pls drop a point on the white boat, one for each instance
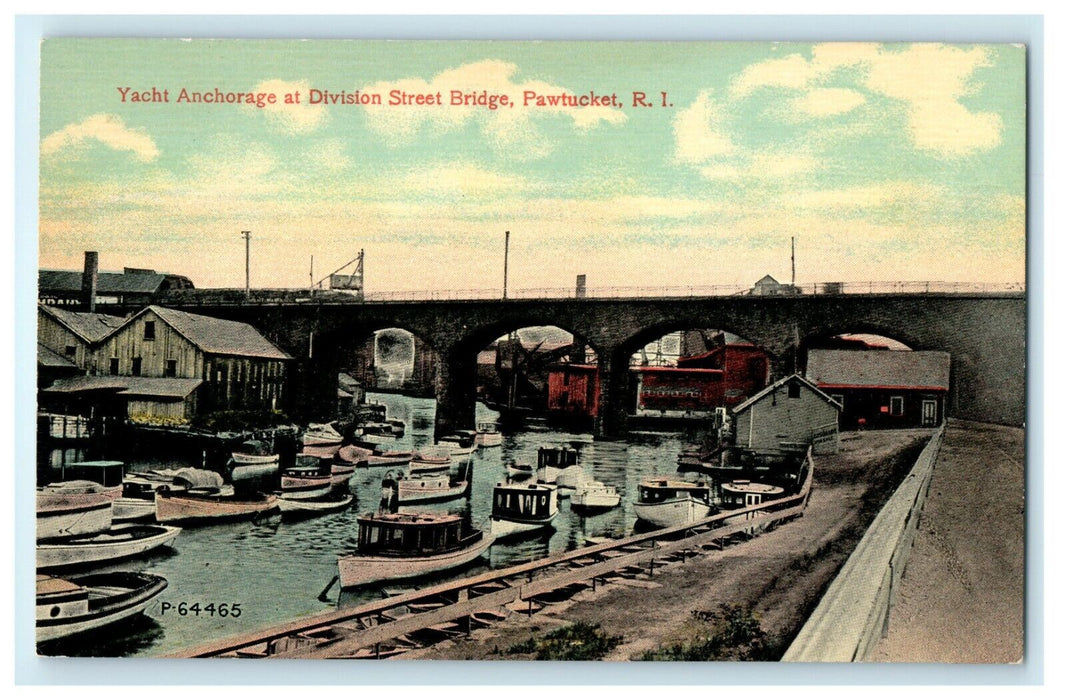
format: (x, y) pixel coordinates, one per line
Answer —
(396, 546)
(308, 478)
(132, 509)
(520, 471)
(340, 476)
(71, 508)
(72, 605)
(520, 508)
(425, 488)
(117, 543)
(430, 459)
(553, 461)
(330, 504)
(488, 435)
(255, 452)
(572, 477)
(460, 443)
(594, 495)
(665, 502)
(321, 435)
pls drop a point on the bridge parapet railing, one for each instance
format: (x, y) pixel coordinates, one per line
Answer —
(237, 297)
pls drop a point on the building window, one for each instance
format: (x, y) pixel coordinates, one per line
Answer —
(113, 367)
(136, 369)
(172, 368)
(70, 350)
(149, 330)
(895, 407)
(794, 390)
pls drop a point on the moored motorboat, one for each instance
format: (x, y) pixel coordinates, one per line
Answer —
(310, 477)
(594, 495)
(552, 461)
(664, 501)
(517, 470)
(340, 476)
(321, 435)
(77, 604)
(431, 460)
(117, 543)
(520, 508)
(407, 545)
(70, 508)
(425, 488)
(255, 452)
(390, 458)
(488, 435)
(351, 455)
(459, 444)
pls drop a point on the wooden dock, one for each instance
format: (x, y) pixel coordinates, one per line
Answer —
(383, 628)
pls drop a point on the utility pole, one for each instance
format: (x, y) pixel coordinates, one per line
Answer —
(793, 263)
(506, 254)
(247, 263)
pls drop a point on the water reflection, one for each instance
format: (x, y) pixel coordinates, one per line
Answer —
(277, 568)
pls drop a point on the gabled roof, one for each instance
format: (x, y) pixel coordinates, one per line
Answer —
(767, 279)
(915, 369)
(90, 327)
(780, 383)
(217, 336)
(49, 358)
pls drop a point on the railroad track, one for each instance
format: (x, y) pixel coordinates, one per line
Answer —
(411, 620)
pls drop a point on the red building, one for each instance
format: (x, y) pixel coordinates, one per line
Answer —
(573, 391)
(674, 392)
(746, 369)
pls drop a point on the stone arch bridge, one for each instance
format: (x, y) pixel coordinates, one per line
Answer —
(984, 332)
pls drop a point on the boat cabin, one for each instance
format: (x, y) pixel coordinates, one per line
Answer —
(742, 493)
(412, 534)
(488, 428)
(661, 490)
(308, 465)
(462, 438)
(524, 502)
(557, 457)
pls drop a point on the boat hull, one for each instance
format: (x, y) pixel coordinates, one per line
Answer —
(416, 494)
(594, 500)
(310, 507)
(128, 510)
(241, 458)
(171, 508)
(679, 511)
(74, 521)
(359, 570)
(119, 543)
(489, 439)
(501, 527)
(140, 590)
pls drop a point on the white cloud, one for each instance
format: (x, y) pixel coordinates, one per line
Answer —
(825, 102)
(507, 128)
(107, 129)
(929, 79)
(698, 131)
(761, 165)
(467, 181)
(292, 118)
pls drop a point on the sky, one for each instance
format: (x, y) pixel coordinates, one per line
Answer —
(884, 161)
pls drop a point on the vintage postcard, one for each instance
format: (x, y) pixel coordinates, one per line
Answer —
(635, 351)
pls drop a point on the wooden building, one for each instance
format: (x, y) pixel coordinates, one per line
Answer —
(73, 334)
(164, 363)
(675, 392)
(132, 286)
(745, 367)
(573, 391)
(883, 388)
(787, 417)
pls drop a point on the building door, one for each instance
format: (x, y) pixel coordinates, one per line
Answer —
(928, 413)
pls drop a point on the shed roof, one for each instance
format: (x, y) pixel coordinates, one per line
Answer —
(161, 387)
(781, 383)
(915, 369)
(130, 282)
(219, 336)
(91, 327)
(49, 358)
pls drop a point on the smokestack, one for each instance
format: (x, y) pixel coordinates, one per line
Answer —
(88, 280)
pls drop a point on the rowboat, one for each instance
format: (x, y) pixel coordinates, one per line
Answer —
(254, 452)
(77, 604)
(205, 506)
(407, 545)
(117, 543)
(320, 506)
(321, 435)
(431, 460)
(518, 508)
(665, 502)
(459, 443)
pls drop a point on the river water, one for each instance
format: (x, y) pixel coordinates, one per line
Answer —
(276, 570)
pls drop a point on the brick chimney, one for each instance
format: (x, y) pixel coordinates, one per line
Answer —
(88, 280)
